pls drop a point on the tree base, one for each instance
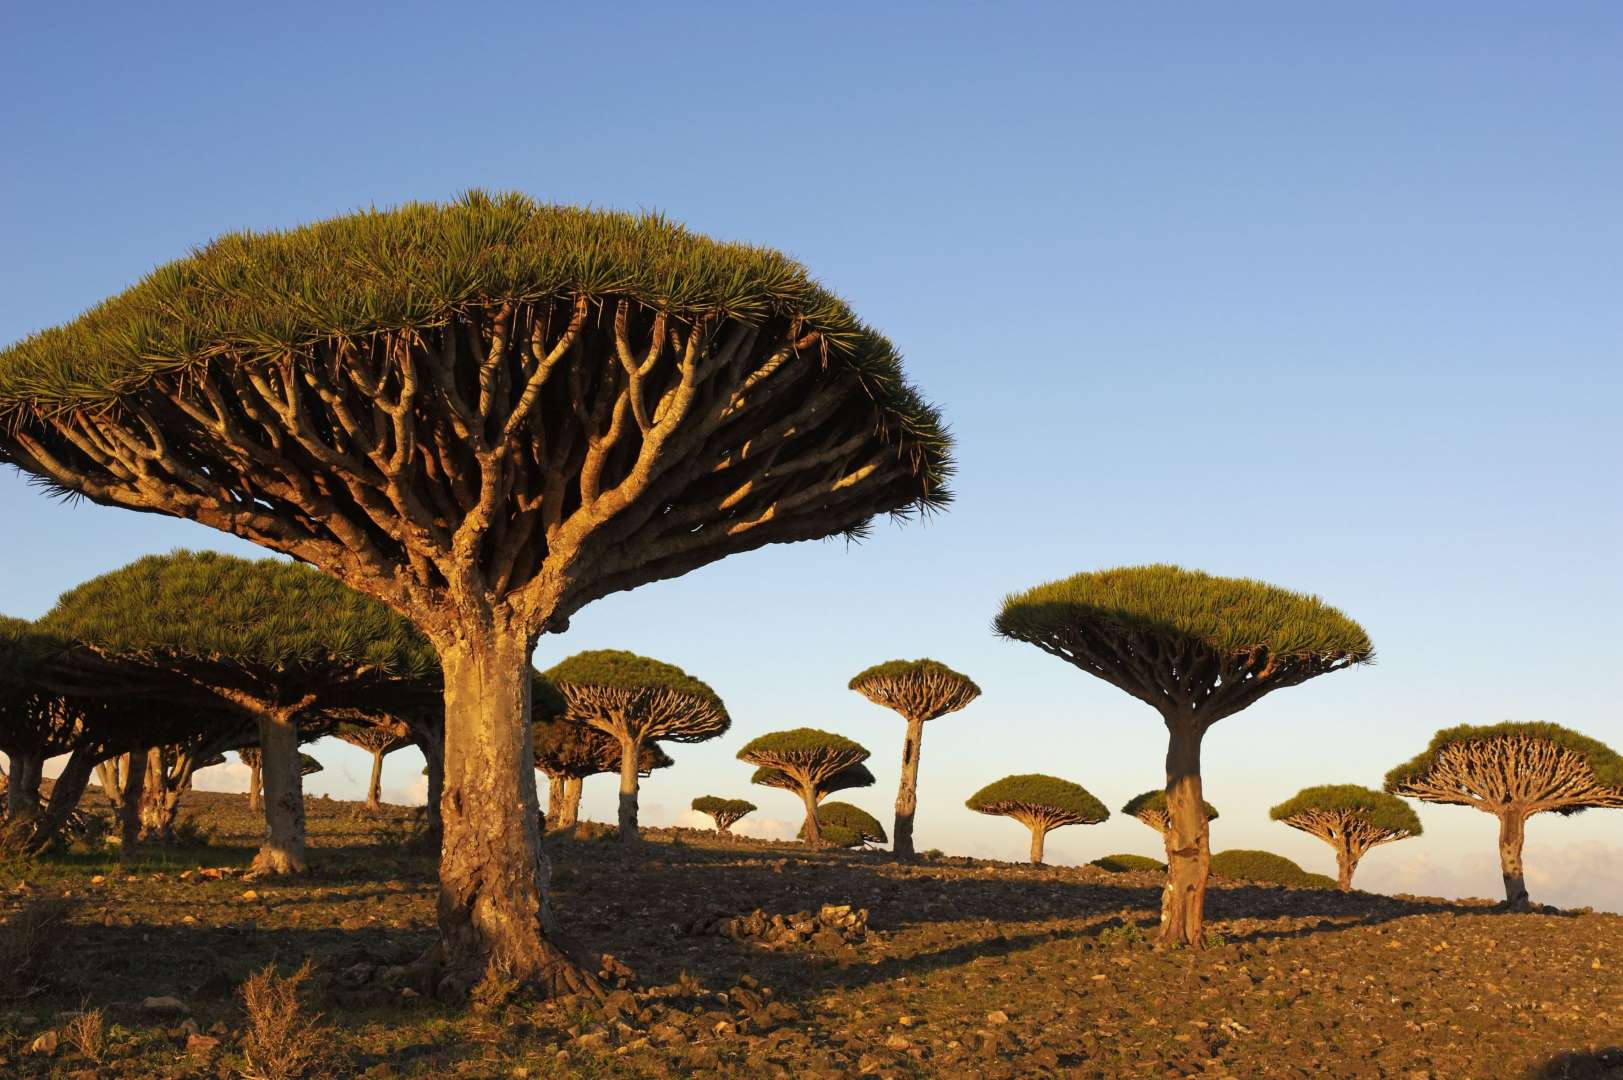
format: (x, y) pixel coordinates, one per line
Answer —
(270, 863)
(554, 973)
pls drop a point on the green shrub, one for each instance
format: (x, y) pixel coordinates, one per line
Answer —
(1264, 867)
(1121, 864)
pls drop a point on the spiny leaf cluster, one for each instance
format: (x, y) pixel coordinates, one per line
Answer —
(263, 612)
(1265, 867)
(1036, 789)
(845, 825)
(1229, 615)
(1121, 864)
(852, 776)
(1157, 801)
(1602, 760)
(715, 804)
(621, 670)
(897, 669)
(248, 296)
(1376, 807)
(797, 741)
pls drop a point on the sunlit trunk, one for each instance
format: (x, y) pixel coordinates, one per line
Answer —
(1512, 832)
(374, 790)
(1038, 835)
(1188, 850)
(283, 849)
(630, 751)
(907, 796)
(814, 829)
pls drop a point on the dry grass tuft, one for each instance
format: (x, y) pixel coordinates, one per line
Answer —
(85, 1033)
(283, 1042)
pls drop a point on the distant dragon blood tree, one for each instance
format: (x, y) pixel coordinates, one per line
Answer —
(567, 753)
(1040, 803)
(379, 736)
(485, 414)
(1513, 771)
(803, 760)
(1196, 648)
(724, 812)
(273, 642)
(847, 826)
(635, 701)
(1351, 819)
(918, 690)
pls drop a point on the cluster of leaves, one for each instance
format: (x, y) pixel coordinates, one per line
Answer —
(797, 741)
(1375, 807)
(1156, 802)
(268, 612)
(617, 669)
(1266, 868)
(255, 296)
(1603, 761)
(1228, 615)
(901, 669)
(847, 826)
(1037, 790)
(1121, 864)
(715, 804)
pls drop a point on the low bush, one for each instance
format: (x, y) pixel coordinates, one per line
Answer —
(1266, 868)
(1121, 864)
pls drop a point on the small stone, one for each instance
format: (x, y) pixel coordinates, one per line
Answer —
(189, 1027)
(408, 994)
(98, 879)
(165, 1004)
(593, 1040)
(44, 1044)
(897, 1042)
(249, 894)
(201, 1044)
(907, 1021)
(723, 1027)
(997, 1016)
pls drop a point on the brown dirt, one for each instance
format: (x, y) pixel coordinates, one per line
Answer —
(965, 968)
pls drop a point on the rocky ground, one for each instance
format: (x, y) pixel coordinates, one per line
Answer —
(747, 959)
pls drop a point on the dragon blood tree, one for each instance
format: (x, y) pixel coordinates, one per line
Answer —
(249, 756)
(1151, 809)
(1513, 771)
(487, 415)
(635, 701)
(1195, 648)
(724, 812)
(918, 690)
(1351, 819)
(852, 776)
(804, 760)
(567, 753)
(1040, 803)
(379, 736)
(271, 641)
(848, 826)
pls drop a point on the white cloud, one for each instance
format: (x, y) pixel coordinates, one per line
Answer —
(1586, 873)
(232, 776)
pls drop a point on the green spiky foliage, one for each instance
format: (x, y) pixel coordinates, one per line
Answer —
(1266, 868)
(1196, 648)
(796, 743)
(1041, 803)
(809, 759)
(1124, 864)
(893, 672)
(852, 776)
(1152, 805)
(308, 765)
(847, 826)
(1380, 810)
(724, 812)
(486, 415)
(617, 669)
(1513, 771)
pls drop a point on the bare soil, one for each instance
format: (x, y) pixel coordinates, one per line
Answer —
(961, 968)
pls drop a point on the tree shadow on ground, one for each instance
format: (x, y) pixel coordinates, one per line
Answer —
(1604, 1064)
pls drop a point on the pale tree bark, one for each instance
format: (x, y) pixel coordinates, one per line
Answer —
(1039, 832)
(158, 801)
(493, 910)
(1512, 832)
(129, 802)
(907, 796)
(555, 801)
(630, 752)
(1346, 864)
(282, 852)
(256, 787)
(571, 814)
(1188, 850)
(374, 789)
(814, 829)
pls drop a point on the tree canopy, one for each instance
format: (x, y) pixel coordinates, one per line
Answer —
(618, 669)
(796, 742)
(1154, 804)
(712, 804)
(1377, 809)
(846, 825)
(1603, 763)
(852, 776)
(1039, 792)
(918, 689)
(1228, 615)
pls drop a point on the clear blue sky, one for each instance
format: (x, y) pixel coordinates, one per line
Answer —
(1330, 299)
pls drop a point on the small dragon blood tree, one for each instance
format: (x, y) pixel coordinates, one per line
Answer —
(724, 812)
(379, 736)
(1040, 803)
(487, 415)
(1195, 648)
(272, 641)
(567, 753)
(1351, 819)
(847, 826)
(635, 700)
(917, 690)
(803, 760)
(1151, 809)
(1513, 771)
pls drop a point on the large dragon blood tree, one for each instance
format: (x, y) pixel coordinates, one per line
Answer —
(274, 642)
(809, 763)
(1513, 771)
(1040, 803)
(486, 414)
(1195, 648)
(1351, 819)
(724, 812)
(635, 701)
(918, 690)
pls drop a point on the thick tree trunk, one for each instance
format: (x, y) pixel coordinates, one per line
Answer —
(907, 795)
(374, 790)
(129, 801)
(1188, 853)
(814, 829)
(493, 913)
(433, 749)
(1512, 831)
(571, 815)
(630, 751)
(22, 786)
(256, 789)
(283, 849)
(555, 801)
(157, 801)
(66, 792)
(1346, 864)
(111, 773)
(1038, 835)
